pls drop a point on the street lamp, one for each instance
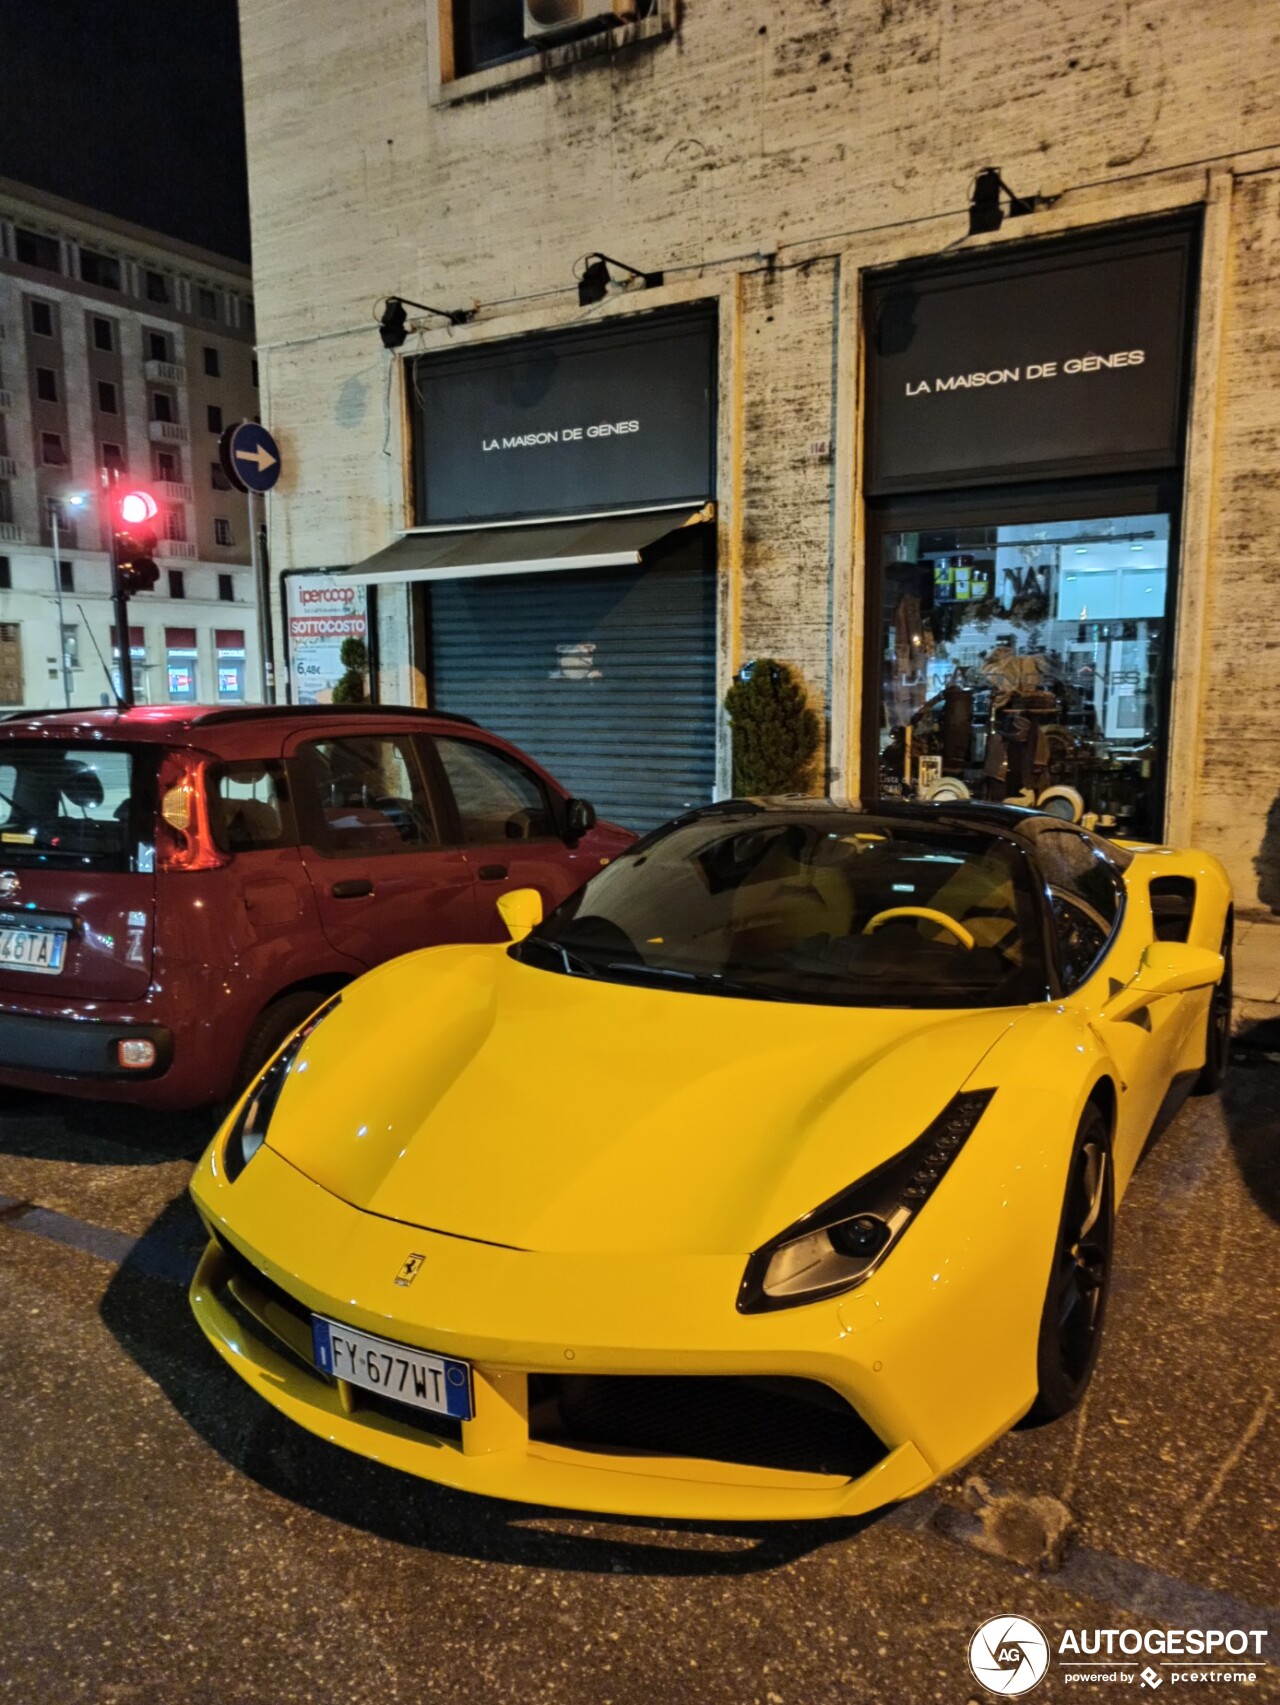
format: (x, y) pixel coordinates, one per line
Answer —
(73, 500)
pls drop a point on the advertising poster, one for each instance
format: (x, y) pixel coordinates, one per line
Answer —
(323, 610)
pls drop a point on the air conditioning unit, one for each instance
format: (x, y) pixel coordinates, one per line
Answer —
(556, 20)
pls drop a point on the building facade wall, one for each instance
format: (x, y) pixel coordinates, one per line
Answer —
(206, 306)
(771, 158)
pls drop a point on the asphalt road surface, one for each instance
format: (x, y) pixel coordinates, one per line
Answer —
(165, 1537)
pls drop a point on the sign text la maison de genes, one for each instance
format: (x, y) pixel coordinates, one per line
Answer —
(562, 435)
(1075, 364)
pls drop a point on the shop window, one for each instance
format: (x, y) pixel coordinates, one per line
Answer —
(214, 416)
(222, 531)
(157, 346)
(212, 367)
(229, 650)
(177, 583)
(107, 402)
(1026, 662)
(180, 660)
(42, 319)
(99, 269)
(46, 384)
(52, 452)
(365, 795)
(103, 333)
(32, 248)
(497, 798)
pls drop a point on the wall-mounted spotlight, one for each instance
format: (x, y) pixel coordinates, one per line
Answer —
(392, 327)
(985, 211)
(594, 279)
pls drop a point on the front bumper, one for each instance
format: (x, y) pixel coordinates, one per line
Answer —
(912, 1363)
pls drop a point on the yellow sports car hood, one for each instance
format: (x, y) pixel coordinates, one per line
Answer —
(460, 1090)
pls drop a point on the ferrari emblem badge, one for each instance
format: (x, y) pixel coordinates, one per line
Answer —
(409, 1271)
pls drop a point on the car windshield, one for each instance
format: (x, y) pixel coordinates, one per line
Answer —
(819, 906)
(64, 806)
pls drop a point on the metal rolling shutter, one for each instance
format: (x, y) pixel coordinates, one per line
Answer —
(636, 736)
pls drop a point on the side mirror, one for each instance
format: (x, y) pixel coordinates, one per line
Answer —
(521, 911)
(1168, 968)
(580, 819)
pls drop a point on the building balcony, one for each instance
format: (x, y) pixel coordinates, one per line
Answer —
(8, 468)
(11, 533)
(179, 548)
(6, 400)
(172, 491)
(165, 372)
(166, 432)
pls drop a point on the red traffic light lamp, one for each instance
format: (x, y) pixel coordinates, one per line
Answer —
(134, 568)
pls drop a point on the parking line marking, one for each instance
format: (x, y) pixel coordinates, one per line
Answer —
(155, 1256)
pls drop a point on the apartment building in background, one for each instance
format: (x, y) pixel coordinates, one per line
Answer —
(123, 353)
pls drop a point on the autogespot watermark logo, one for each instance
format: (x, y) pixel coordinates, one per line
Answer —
(1008, 1655)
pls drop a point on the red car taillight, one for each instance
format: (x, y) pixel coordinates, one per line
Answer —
(184, 838)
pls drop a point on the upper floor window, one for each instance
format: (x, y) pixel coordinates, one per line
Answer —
(103, 333)
(222, 531)
(67, 576)
(34, 249)
(487, 32)
(52, 452)
(46, 384)
(42, 318)
(214, 414)
(161, 406)
(102, 270)
(112, 456)
(166, 465)
(177, 583)
(217, 478)
(227, 588)
(253, 371)
(157, 286)
(107, 397)
(158, 346)
(206, 303)
(211, 364)
(6, 574)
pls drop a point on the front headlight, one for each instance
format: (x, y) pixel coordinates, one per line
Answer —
(249, 1131)
(842, 1242)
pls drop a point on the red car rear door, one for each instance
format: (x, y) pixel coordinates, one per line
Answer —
(368, 824)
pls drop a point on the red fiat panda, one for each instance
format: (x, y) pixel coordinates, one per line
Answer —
(180, 887)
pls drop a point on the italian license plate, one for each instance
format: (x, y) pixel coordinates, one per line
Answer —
(33, 950)
(430, 1382)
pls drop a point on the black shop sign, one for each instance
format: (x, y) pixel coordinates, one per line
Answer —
(618, 415)
(1068, 358)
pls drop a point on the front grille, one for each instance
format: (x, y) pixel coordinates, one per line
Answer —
(408, 1415)
(243, 1268)
(787, 1424)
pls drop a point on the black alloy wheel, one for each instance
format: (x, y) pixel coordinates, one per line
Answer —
(1075, 1303)
(1217, 1040)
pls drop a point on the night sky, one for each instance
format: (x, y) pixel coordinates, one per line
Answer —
(132, 107)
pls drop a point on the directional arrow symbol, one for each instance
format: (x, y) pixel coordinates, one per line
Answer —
(261, 455)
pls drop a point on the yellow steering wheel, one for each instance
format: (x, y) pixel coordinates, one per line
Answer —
(927, 912)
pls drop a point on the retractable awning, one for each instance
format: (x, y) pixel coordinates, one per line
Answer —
(567, 542)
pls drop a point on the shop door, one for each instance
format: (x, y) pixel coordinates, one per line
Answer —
(606, 678)
(372, 846)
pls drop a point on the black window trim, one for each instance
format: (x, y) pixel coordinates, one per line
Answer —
(1046, 888)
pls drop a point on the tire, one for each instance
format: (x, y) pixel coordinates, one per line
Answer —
(1217, 1024)
(1075, 1303)
(270, 1028)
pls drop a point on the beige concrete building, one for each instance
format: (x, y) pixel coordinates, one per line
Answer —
(128, 351)
(1004, 491)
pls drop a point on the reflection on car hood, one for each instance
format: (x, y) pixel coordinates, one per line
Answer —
(460, 1090)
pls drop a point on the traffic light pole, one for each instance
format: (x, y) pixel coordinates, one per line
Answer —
(120, 600)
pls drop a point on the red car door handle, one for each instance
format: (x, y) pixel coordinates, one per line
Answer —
(492, 872)
(355, 889)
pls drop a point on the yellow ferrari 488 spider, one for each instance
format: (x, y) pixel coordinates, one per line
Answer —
(772, 1175)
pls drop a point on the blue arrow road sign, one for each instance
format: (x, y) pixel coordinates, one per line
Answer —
(252, 457)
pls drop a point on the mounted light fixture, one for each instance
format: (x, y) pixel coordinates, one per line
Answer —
(985, 211)
(392, 327)
(594, 280)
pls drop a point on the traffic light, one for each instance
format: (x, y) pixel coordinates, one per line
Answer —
(135, 539)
